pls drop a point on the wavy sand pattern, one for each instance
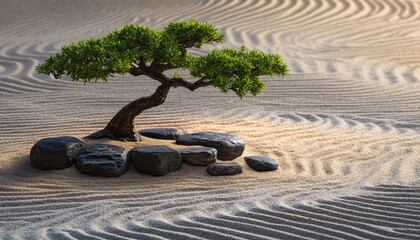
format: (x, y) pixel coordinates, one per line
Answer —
(345, 126)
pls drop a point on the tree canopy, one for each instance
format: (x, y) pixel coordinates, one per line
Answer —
(140, 50)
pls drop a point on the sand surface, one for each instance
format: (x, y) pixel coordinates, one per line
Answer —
(345, 125)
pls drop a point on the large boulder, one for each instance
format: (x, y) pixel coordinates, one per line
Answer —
(260, 163)
(56, 153)
(161, 133)
(103, 160)
(228, 146)
(227, 168)
(157, 160)
(203, 156)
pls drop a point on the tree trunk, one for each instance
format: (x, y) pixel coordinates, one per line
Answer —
(121, 126)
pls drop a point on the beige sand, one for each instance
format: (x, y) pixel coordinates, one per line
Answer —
(344, 126)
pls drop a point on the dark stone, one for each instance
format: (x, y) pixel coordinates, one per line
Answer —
(228, 146)
(229, 168)
(161, 133)
(203, 156)
(260, 163)
(56, 153)
(132, 136)
(157, 160)
(103, 160)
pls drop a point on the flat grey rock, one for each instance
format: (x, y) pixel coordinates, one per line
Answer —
(228, 146)
(103, 160)
(260, 163)
(157, 160)
(220, 169)
(203, 156)
(161, 133)
(56, 153)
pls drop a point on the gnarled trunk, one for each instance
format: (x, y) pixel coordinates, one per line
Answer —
(121, 126)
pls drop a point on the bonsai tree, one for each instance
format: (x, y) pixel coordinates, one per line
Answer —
(139, 50)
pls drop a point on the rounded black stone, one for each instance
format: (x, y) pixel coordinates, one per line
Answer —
(228, 146)
(161, 133)
(228, 168)
(157, 160)
(260, 163)
(203, 156)
(56, 153)
(103, 160)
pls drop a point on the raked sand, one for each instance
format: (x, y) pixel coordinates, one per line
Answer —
(345, 125)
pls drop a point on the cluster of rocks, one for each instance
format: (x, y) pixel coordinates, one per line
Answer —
(157, 160)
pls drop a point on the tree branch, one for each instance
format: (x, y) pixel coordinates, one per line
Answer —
(202, 82)
(143, 70)
(159, 67)
(135, 71)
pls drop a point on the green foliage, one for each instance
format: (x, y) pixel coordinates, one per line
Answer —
(194, 33)
(237, 70)
(133, 45)
(176, 75)
(99, 58)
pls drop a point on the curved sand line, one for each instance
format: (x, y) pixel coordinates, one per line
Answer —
(318, 164)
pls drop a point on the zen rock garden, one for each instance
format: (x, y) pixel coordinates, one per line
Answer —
(130, 47)
(156, 160)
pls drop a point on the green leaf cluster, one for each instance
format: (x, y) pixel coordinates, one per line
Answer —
(140, 46)
(237, 70)
(194, 33)
(99, 58)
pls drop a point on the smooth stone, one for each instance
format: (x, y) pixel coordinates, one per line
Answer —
(260, 163)
(56, 153)
(105, 133)
(228, 146)
(161, 133)
(157, 160)
(103, 160)
(203, 156)
(229, 168)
